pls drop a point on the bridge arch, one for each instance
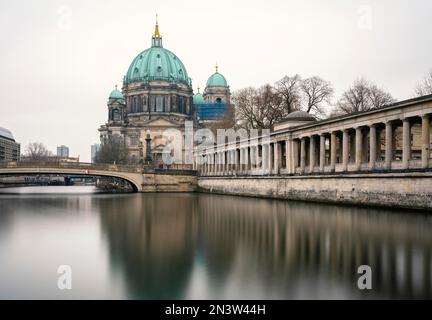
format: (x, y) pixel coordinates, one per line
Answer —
(132, 176)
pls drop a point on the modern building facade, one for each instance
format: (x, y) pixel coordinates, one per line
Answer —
(156, 96)
(63, 152)
(9, 148)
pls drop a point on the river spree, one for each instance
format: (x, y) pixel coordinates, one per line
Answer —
(199, 246)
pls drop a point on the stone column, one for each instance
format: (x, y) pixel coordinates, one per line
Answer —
(215, 163)
(425, 141)
(322, 152)
(251, 158)
(406, 143)
(258, 165)
(237, 161)
(230, 162)
(266, 159)
(312, 156)
(210, 164)
(388, 145)
(276, 158)
(270, 159)
(295, 155)
(345, 150)
(303, 155)
(359, 148)
(288, 156)
(240, 168)
(220, 163)
(333, 151)
(372, 146)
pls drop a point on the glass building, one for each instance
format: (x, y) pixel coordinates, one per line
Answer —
(9, 148)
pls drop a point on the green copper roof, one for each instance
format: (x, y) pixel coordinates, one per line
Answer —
(115, 94)
(198, 99)
(217, 80)
(157, 63)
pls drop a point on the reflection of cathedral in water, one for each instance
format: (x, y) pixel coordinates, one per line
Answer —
(157, 242)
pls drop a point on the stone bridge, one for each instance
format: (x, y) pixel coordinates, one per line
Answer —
(142, 179)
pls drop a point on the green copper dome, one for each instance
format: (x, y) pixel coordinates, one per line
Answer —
(115, 94)
(198, 99)
(217, 80)
(157, 64)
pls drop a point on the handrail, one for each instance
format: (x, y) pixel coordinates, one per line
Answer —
(92, 166)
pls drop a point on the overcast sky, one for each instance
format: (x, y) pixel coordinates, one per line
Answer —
(60, 59)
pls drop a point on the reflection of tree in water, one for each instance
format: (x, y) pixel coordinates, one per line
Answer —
(151, 240)
(156, 238)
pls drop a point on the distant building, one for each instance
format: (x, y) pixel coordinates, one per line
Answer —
(9, 148)
(94, 150)
(212, 106)
(63, 152)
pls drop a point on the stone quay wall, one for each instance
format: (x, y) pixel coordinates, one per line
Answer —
(395, 190)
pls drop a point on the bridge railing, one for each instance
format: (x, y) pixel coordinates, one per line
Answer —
(71, 165)
(94, 166)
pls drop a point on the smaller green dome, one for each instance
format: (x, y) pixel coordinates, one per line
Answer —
(198, 99)
(217, 80)
(115, 94)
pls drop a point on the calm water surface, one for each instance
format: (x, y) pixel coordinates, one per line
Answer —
(198, 246)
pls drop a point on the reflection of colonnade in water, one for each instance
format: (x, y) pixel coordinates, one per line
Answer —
(156, 241)
(295, 238)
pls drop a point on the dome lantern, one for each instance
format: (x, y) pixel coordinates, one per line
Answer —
(157, 38)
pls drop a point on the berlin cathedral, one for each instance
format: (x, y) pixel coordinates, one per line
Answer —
(157, 95)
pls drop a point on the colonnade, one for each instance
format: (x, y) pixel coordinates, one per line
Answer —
(394, 144)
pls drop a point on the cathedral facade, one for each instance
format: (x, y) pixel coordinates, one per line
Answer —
(157, 95)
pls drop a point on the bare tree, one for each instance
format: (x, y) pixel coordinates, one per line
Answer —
(227, 121)
(425, 86)
(362, 96)
(378, 97)
(316, 91)
(37, 151)
(113, 150)
(289, 89)
(258, 108)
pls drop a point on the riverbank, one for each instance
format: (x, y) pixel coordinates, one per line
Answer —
(397, 190)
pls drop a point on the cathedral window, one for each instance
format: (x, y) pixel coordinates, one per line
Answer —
(152, 103)
(181, 105)
(115, 115)
(139, 104)
(145, 107)
(159, 103)
(134, 105)
(133, 140)
(167, 104)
